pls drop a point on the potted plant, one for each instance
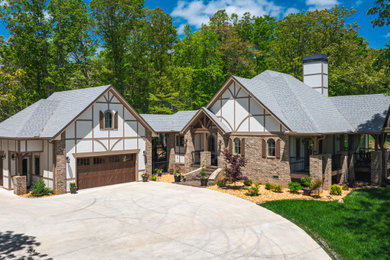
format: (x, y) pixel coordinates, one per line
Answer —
(177, 175)
(73, 188)
(153, 177)
(159, 172)
(203, 177)
(171, 171)
(145, 177)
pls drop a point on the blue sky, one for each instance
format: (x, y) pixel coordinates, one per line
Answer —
(196, 12)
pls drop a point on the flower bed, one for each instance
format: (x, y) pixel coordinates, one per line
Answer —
(267, 195)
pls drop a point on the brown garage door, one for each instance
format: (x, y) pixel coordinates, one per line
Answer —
(105, 170)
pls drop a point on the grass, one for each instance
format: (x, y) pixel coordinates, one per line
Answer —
(359, 228)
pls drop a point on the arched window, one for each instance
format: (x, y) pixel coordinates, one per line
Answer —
(237, 146)
(108, 120)
(271, 147)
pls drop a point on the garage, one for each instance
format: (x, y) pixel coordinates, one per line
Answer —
(105, 170)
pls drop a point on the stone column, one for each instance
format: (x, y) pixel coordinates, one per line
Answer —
(148, 152)
(221, 145)
(353, 147)
(171, 150)
(189, 148)
(20, 185)
(376, 167)
(344, 167)
(316, 166)
(327, 166)
(205, 158)
(60, 163)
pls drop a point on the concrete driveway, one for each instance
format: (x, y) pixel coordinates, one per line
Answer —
(148, 221)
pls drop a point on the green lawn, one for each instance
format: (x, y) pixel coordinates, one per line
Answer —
(359, 228)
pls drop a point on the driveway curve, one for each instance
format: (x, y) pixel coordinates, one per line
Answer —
(148, 221)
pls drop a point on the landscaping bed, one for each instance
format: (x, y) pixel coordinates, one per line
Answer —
(268, 195)
(359, 228)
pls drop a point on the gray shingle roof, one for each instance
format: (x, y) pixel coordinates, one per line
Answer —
(169, 123)
(366, 113)
(299, 107)
(47, 117)
(222, 125)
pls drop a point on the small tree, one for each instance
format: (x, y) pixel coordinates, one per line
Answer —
(233, 166)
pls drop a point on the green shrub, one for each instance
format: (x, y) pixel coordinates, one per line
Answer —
(306, 181)
(269, 186)
(247, 182)
(294, 187)
(39, 189)
(220, 183)
(277, 188)
(335, 189)
(153, 177)
(253, 190)
(345, 187)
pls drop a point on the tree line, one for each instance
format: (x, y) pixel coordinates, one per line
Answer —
(65, 44)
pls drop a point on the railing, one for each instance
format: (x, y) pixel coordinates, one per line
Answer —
(336, 162)
(363, 158)
(196, 157)
(297, 164)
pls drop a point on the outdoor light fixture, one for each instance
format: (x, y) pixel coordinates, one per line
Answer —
(67, 159)
(4, 156)
(13, 156)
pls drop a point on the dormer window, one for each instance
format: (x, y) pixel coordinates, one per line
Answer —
(108, 120)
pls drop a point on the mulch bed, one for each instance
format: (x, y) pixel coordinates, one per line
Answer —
(29, 196)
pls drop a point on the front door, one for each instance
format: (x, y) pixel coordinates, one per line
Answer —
(212, 147)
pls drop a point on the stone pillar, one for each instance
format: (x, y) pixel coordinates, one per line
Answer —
(60, 163)
(327, 166)
(148, 153)
(376, 167)
(316, 167)
(344, 167)
(171, 150)
(353, 147)
(205, 158)
(189, 148)
(221, 145)
(20, 185)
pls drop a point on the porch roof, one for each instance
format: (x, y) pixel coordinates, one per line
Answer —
(224, 128)
(169, 123)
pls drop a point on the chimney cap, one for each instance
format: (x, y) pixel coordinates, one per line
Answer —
(315, 57)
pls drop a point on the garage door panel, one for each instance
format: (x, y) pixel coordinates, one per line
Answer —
(107, 170)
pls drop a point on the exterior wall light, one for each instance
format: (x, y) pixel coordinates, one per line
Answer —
(67, 159)
(4, 156)
(13, 156)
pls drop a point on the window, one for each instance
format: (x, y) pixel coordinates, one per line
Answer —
(180, 140)
(271, 147)
(98, 160)
(82, 161)
(237, 146)
(108, 120)
(114, 159)
(129, 157)
(37, 170)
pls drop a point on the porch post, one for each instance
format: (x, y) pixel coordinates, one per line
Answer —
(327, 161)
(316, 166)
(344, 167)
(376, 167)
(171, 150)
(189, 148)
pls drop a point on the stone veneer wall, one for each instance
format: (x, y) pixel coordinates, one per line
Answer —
(189, 148)
(171, 150)
(60, 166)
(264, 169)
(222, 143)
(148, 151)
(20, 185)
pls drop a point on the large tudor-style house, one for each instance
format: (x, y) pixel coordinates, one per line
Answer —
(285, 128)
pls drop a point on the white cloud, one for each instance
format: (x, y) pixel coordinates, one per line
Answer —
(358, 2)
(291, 10)
(321, 4)
(387, 35)
(197, 12)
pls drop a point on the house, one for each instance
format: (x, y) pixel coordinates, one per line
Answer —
(286, 129)
(90, 136)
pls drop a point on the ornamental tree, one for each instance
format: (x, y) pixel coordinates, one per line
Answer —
(233, 167)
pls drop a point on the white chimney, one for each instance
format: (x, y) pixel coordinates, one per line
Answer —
(315, 72)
